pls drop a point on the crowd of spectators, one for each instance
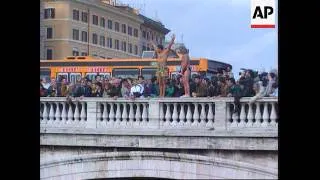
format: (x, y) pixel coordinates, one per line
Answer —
(223, 84)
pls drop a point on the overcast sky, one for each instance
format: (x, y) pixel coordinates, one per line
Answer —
(216, 29)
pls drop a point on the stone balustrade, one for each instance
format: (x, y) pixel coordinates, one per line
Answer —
(156, 113)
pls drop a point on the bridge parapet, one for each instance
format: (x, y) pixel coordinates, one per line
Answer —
(196, 115)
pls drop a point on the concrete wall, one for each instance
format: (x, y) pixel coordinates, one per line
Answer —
(90, 164)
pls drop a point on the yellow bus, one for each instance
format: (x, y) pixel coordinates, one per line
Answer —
(75, 67)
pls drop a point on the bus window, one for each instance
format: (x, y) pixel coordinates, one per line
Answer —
(62, 75)
(148, 73)
(105, 75)
(91, 76)
(74, 77)
(125, 73)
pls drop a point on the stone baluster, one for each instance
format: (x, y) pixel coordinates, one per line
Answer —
(64, 113)
(70, 115)
(265, 115)
(83, 114)
(182, 116)
(131, 116)
(257, 116)
(174, 116)
(161, 115)
(118, 115)
(137, 116)
(45, 113)
(124, 116)
(250, 116)
(102, 122)
(210, 116)
(167, 116)
(111, 115)
(51, 113)
(235, 118)
(242, 116)
(76, 114)
(144, 115)
(196, 116)
(58, 114)
(203, 116)
(273, 115)
(98, 113)
(188, 117)
(228, 116)
(41, 115)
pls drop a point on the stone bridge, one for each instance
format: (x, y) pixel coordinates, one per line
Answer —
(171, 138)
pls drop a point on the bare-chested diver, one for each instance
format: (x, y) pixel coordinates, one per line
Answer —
(162, 69)
(183, 54)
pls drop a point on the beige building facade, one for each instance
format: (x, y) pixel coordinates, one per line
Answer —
(91, 27)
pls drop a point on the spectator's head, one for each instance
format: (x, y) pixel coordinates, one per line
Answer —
(98, 78)
(83, 82)
(154, 79)
(205, 81)
(149, 82)
(256, 86)
(271, 76)
(44, 80)
(229, 69)
(64, 81)
(98, 86)
(115, 82)
(94, 86)
(197, 79)
(159, 48)
(89, 83)
(53, 80)
(231, 81)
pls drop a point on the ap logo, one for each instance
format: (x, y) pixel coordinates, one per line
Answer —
(262, 13)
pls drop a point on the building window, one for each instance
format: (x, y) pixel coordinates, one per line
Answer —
(157, 39)
(94, 38)
(144, 48)
(75, 52)
(124, 28)
(116, 26)
(76, 15)
(102, 22)
(148, 49)
(130, 30)
(130, 47)
(49, 33)
(84, 36)
(75, 34)
(49, 54)
(49, 13)
(135, 49)
(109, 42)
(144, 34)
(135, 32)
(109, 24)
(84, 54)
(124, 46)
(152, 36)
(95, 20)
(116, 44)
(102, 41)
(147, 35)
(84, 17)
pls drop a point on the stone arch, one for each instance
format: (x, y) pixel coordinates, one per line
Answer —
(151, 164)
